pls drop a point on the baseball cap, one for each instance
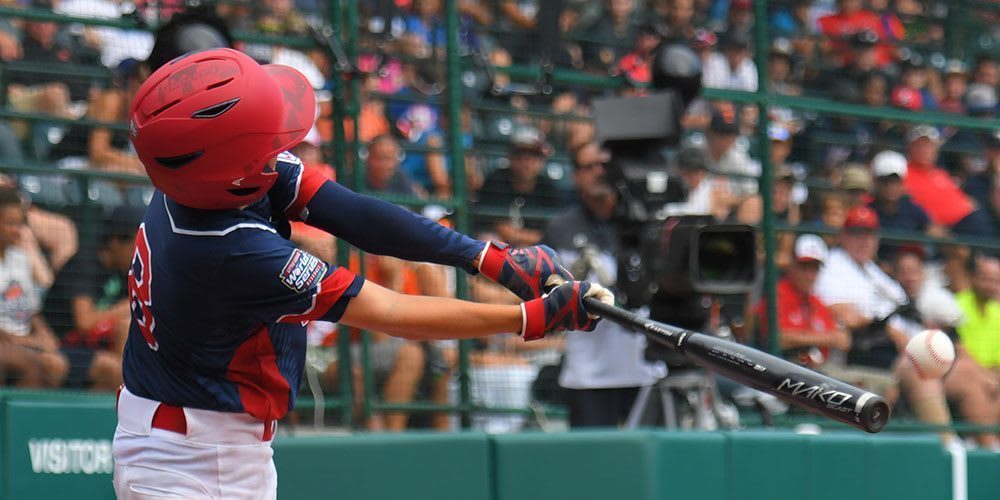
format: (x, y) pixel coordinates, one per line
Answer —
(980, 98)
(861, 217)
(692, 158)
(123, 222)
(778, 132)
(740, 4)
(955, 67)
(528, 139)
(921, 131)
(810, 248)
(907, 98)
(781, 47)
(889, 163)
(704, 39)
(855, 176)
(724, 123)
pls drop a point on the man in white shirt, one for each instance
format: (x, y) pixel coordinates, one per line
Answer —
(732, 68)
(604, 369)
(865, 300)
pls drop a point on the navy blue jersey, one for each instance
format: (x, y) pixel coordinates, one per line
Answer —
(220, 300)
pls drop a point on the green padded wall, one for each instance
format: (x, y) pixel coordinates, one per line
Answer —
(690, 465)
(57, 450)
(575, 466)
(374, 466)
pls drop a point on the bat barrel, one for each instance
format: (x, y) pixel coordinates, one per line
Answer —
(793, 383)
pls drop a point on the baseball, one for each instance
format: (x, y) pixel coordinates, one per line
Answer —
(931, 353)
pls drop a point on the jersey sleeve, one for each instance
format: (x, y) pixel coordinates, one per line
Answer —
(269, 279)
(383, 228)
(295, 187)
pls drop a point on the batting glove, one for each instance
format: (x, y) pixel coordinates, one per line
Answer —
(562, 309)
(528, 272)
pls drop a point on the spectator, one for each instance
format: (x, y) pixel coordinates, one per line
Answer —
(88, 305)
(862, 298)
(115, 45)
(28, 349)
(731, 67)
(636, 64)
(102, 148)
(382, 172)
(426, 35)
(986, 71)
(678, 24)
(781, 68)
(914, 85)
(279, 17)
(419, 125)
(42, 93)
(868, 302)
(519, 21)
(706, 193)
(372, 120)
(895, 210)
(728, 156)
(833, 212)
(956, 81)
(978, 364)
(856, 184)
(806, 329)
(51, 233)
(936, 307)
(739, 18)
(934, 190)
(602, 371)
(611, 36)
(980, 186)
(522, 187)
(981, 100)
(851, 18)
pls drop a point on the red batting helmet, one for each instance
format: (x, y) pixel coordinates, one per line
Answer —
(206, 124)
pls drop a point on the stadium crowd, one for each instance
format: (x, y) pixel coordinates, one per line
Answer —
(849, 297)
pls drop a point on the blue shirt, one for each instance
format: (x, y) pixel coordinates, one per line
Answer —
(220, 300)
(907, 217)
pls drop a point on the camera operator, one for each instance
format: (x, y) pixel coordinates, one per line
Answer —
(603, 370)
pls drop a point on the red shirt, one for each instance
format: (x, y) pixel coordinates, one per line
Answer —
(637, 68)
(798, 311)
(935, 191)
(840, 27)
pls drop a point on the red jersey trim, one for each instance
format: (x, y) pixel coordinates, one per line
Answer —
(328, 292)
(263, 391)
(306, 186)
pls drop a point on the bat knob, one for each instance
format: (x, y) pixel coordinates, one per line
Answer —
(875, 414)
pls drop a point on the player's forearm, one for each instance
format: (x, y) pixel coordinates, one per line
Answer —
(382, 228)
(428, 318)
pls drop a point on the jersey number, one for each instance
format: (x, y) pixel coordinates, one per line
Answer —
(140, 278)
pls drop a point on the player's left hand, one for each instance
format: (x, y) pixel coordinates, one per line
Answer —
(528, 272)
(562, 309)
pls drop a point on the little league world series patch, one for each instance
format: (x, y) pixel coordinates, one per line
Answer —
(302, 271)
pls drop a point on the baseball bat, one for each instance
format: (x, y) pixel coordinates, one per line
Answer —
(795, 384)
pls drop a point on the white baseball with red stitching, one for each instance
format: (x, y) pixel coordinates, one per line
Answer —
(931, 353)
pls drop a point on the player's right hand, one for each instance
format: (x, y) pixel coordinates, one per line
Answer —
(562, 309)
